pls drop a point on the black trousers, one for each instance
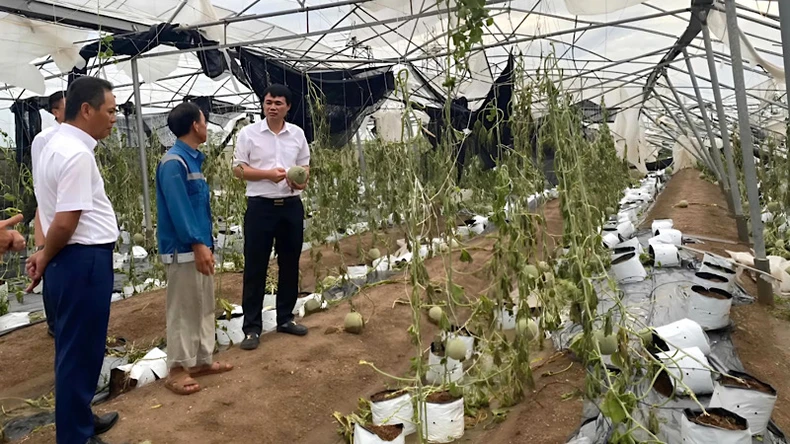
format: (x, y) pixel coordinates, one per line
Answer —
(278, 223)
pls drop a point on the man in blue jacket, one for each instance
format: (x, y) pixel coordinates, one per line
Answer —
(186, 244)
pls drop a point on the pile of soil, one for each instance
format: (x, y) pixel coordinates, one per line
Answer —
(386, 395)
(385, 432)
(441, 398)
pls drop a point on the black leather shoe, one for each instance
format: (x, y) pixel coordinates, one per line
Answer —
(103, 423)
(250, 342)
(292, 328)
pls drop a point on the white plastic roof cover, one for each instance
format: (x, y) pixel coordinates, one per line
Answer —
(597, 61)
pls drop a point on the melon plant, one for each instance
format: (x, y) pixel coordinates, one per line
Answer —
(353, 323)
(607, 344)
(297, 175)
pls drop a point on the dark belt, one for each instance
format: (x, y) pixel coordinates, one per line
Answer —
(278, 201)
(109, 246)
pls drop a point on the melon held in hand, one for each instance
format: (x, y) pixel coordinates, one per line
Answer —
(297, 175)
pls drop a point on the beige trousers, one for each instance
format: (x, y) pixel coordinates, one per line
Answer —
(190, 316)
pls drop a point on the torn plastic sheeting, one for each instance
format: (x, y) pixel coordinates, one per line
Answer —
(11, 321)
(151, 367)
(655, 302)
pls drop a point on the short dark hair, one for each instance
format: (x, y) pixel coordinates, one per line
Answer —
(277, 90)
(54, 99)
(88, 90)
(182, 117)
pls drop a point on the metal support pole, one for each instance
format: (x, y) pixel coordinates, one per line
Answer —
(361, 153)
(694, 130)
(764, 291)
(671, 136)
(714, 150)
(141, 140)
(735, 189)
(784, 25)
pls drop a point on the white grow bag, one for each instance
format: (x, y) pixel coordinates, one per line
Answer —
(443, 422)
(715, 268)
(363, 436)
(441, 373)
(689, 369)
(684, 333)
(633, 242)
(713, 280)
(611, 239)
(667, 236)
(718, 261)
(754, 405)
(398, 410)
(626, 229)
(506, 317)
(628, 269)
(269, 319)
(229, 331)
(628, 214)
(661, 224)
(693, 433)
(709, 312)
(664, 255)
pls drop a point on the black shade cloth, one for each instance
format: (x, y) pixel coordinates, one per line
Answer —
(348, 95)
(211, 61)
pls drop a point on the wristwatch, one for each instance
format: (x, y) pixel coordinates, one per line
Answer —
(40, 248)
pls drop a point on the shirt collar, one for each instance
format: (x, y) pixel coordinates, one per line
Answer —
(265, 126)
(79, 134)
(181, 145)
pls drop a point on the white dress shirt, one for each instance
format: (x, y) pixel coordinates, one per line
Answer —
(39, 142)
(69, 180)
(258, 147)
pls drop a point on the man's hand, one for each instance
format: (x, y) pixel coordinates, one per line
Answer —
(35, 266)
(276, 175)
(295, 186)
(11, 239)
(204, 259)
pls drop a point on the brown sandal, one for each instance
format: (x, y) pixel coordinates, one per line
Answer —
(185, 385)
(213, 369)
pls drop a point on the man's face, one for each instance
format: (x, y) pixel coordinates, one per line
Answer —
(101, 120)
(275, 108)
(201, 128)
(59, 110)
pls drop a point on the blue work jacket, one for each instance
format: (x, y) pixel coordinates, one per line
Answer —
(183, 203)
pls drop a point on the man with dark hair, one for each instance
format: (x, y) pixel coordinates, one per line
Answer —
(186, 242)
(275, 215)
(57, 107)
(80, 234)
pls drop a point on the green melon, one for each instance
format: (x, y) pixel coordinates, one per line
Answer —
(527, 327)
(312, 305)
(646, 335)
(531, 270)
(682, 204)
(773, 207)
(435, 314)
(544, 266)
(297, 175)
(138, 238)
(456, 349)
(353, 323)
(374, 254)
(607, 344)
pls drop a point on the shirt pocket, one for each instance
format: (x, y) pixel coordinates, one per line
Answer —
(290, 152)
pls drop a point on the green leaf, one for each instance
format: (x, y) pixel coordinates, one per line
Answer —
(612, 409)
(490, 21)
(465, 256)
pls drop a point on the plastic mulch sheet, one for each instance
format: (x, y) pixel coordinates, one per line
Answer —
(655, 302)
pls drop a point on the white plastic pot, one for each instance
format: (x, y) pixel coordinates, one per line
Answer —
(667, 236)
(269, 319)
(626, 229)
(755, 405)
(506, 317)
(633, 242)
(720, 261)
(629, 213)
(357, 271)
(398, 410)
(3, 293)
(628, 269)
(684, 333)
(689, 369)
(664, 255)
(622, 251)
(713, 280)
(363, 436)
(693, 433)
(611, 239)
(269, 301)
(659, 224)
(441, 373)
(151, 367)
(229, 331)
(710, 312)
(443, 422)
(711, 267)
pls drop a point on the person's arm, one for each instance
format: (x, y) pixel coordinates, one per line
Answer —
(242, 168)
(303, 160)
(11, 240)
(173, 183)
(39, 232)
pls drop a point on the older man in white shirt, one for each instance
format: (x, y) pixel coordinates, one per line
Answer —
(275, 214)
(57, 107)
(80, 233)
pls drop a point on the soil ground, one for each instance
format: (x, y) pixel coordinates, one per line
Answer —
(287, 390)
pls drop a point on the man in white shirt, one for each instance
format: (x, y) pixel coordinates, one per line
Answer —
(57, 107)
(275, 215)
(80, 233)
